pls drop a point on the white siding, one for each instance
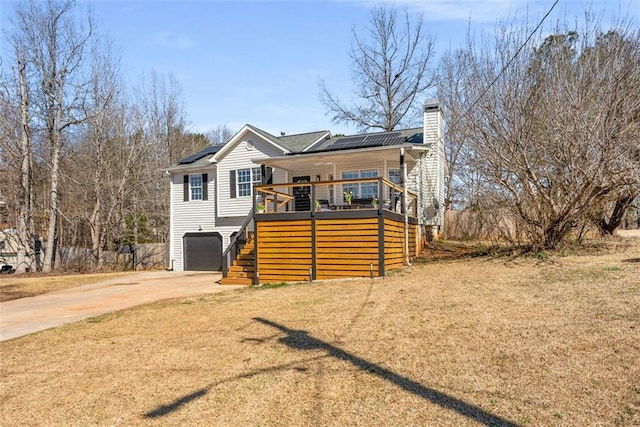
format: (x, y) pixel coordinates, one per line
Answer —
(226, 227)
(434, 164)
(219, 213)
(239, 157)
(189, 217)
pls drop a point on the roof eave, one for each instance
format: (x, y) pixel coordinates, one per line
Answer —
(417, 149)
(189, 167)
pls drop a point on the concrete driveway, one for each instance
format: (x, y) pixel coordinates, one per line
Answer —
(28, 315)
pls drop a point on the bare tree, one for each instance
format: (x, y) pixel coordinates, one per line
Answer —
(16, 154)
(105, 112)
(163, 106)
(219, 135)
(621, 54)
(390, 72)
(25, 217)
(453, 82)
(56, 45)
(551, 131)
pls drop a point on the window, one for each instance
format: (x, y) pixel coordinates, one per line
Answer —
(351, 187)
(331, 191)
(395, 177)
(195, 187)
(364, 190)
(369, 189)
(246, 179)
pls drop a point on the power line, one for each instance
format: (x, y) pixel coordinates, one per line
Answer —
(515, 55)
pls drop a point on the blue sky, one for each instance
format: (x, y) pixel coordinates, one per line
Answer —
(259, 62)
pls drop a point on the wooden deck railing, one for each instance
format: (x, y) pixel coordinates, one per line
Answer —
(330, 195)
(238, 241)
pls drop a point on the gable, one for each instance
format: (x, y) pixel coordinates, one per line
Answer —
(241, 155)
(246, 136)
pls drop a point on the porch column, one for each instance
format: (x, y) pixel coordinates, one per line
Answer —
(405, 213)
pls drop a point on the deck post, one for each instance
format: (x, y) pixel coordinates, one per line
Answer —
(405, 213)
(256, 273)
(313, 272)
(380, 243)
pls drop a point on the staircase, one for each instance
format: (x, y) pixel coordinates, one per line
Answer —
(241, 271)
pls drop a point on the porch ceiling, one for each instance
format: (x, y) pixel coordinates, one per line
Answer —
(329, 158)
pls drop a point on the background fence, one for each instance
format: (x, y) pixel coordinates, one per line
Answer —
(147, 256)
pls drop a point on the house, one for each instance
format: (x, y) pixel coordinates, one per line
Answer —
(222, 195)
(8, 251)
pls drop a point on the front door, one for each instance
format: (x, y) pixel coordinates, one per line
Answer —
(302, 200)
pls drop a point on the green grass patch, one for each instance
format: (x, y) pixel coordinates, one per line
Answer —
(274, 285)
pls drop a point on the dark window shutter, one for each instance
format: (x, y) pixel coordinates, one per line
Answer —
(232, 184)
(268, 179)
(205, 186)
(185, 187)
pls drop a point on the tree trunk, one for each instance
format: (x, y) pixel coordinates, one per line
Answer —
(25, 230)
(55, 139)
(617, 216)
(53, 209)
(96, 231)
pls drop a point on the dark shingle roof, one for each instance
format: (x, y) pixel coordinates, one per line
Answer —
(297, 143)
(262, 133)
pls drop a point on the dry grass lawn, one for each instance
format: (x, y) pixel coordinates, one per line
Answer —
(552, 342)
(20, 286)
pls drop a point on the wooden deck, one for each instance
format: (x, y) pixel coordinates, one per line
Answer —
(318, 244)
(304, 246)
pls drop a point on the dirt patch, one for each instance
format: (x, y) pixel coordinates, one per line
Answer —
(501, 341)
(630, 234)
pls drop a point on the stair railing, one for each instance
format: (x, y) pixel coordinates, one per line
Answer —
(238, 241)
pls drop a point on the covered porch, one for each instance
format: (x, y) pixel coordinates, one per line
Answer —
(341, 213)
(345, 172)
(286, 240)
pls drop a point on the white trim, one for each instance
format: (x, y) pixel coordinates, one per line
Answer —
(171, 223)
(191, 187)
(412, 149)
(186, 169)
(359, 171)
(251, 182)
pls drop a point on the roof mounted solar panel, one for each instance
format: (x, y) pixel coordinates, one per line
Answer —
(372, 140)
(384, 139)
(212, 149)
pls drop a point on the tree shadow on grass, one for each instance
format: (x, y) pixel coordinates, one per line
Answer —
(301, 340)
(178, 403)
(631, 260)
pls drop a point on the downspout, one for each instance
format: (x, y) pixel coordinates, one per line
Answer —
(405, 205)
